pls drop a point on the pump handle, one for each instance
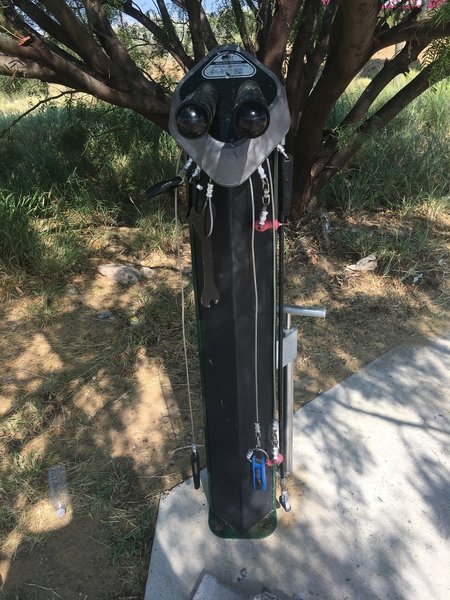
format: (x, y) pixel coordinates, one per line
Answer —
(300, 311)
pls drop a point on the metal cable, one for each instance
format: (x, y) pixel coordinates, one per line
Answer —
(178, 233)
(273, 192)
(255, 287)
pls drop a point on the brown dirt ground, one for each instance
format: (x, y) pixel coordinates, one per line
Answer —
(106, 397)
(109, 399)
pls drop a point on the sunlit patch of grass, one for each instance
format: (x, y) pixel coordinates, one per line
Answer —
(157, 327)
(157, 231)
(64, 252)
(405, 249)
(88, 155)
(401, 166)
(27, 419)
(23, 485)
(43, 312)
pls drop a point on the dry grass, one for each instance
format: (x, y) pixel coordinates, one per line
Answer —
(108, 399)
(73, 382)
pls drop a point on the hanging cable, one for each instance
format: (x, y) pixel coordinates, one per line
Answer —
(255, 287)
(274, 282)
(277, 457)
(209, 195)
(195, 460)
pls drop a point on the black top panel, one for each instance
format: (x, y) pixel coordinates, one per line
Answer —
(227, 83)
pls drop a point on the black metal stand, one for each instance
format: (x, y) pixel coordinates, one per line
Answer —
(226, 343)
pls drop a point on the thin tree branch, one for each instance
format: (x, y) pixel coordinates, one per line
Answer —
(263, 22)
(177, 52)
(81, 40)
(111, 43)
(33, 108)
(252, 6)
(393, 15)
(327, 20)
(150, 101)
(195, 27)
(280, 28)
(397, 103)
(44, 22)
(208, 35)
(169, 27)
(397, 65)
(378, 120)
(30, 35)
(295, 88)
(349, 48)
(242, 26)
(423, 31)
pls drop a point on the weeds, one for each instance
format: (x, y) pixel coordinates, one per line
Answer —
(19, 243)
(43, 313)
(401, 166)
(71, 168)
(403, 249)
(36, 250)
(87, 156)
(130, 532)
(157, 230)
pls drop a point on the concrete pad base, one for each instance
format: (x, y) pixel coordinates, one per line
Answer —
(370, 489)
(210, 587)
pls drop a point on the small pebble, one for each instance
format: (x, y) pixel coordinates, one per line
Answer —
(146, 272)
(105, 315)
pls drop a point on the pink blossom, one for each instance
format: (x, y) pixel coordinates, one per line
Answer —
(409, 5)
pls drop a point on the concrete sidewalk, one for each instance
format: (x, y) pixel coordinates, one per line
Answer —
(370, 496)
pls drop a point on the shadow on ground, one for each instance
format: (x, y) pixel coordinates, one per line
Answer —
(370, 491)
(107, 398)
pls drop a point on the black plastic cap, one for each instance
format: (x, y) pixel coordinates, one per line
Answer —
(252, 119)
(192, 120)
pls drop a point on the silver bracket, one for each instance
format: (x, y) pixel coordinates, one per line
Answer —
(289, 356)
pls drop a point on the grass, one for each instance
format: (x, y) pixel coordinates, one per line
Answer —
(393, 199)
(29, 246)
(402, 251)
(156, 229)
(69, 174)
(402, 166)
(91, 156)
(19, 245)
(131, 532)
(43, 312)
(76, 165)
(30, 435)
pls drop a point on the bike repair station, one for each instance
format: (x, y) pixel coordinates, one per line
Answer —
(230, 115)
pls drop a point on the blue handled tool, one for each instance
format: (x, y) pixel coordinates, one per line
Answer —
(259, 481)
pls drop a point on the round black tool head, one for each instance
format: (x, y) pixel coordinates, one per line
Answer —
(192, 120)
